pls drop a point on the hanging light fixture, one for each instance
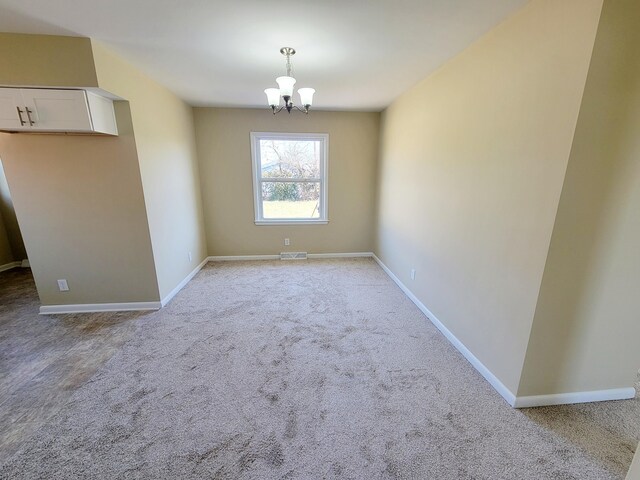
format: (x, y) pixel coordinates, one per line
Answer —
(285, 91)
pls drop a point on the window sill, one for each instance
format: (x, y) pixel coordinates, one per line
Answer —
(291, 222)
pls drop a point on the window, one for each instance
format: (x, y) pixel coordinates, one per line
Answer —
(289, 177)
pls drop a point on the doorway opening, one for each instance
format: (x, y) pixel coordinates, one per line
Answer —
(13, 253)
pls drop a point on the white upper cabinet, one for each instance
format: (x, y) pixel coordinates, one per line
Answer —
(49, 110)
(57, 110)
(12, 113)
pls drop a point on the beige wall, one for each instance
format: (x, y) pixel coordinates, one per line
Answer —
(10, 220)
(224, 152)
(164, 136)
(471, 169)
(586, 328)
(46, 60)
(156, 164)
(81, 209)
(6, 254)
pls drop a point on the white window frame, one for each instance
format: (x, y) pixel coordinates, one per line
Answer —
(257, 177)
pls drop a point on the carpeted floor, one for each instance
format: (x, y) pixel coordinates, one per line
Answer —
(44, 359)
(309, 370)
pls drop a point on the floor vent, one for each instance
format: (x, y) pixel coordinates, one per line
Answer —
(293, 255)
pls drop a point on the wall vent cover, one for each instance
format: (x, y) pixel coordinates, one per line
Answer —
(293, 255)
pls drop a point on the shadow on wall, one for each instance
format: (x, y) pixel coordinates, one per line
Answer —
(10, 221)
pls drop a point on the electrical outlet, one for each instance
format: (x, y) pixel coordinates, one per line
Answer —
(189, 256)
(286, 242)
(62, 285)
(413, 274)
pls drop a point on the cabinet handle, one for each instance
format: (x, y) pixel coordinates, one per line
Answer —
(29, 112)
(22, 122)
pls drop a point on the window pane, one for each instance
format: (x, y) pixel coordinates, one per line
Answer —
(291, 199)
(290, 158)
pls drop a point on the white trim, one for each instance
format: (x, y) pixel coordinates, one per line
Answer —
(121, 307)
(340, 255)
(291, 222)
(259, 219)
(473, 360)
(575, 397)
(231, 258)
(293, 180)
(25, 263)
(99, 307)
(9, 266)
(516, 402)
(181, 285)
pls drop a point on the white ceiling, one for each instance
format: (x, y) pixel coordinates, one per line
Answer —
(357, 54)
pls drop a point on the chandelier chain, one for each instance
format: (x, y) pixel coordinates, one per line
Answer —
(289, 67)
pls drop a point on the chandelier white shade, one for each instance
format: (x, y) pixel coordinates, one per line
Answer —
(286, 88)
(306, 96)
(273, 96)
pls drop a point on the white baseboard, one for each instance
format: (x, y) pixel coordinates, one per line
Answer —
(341, 255)
(508, 395)
(477, 364)
(121, 307)
(25, 263)
(114, 307)
(99, 307)
(181, 285)
(230, 258)
(575, 397)
(9, 266)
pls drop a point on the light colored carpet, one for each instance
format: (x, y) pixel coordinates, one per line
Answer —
(44, 359)
(310, 370)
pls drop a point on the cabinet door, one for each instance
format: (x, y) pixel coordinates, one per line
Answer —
(57, 110)
(10, 102)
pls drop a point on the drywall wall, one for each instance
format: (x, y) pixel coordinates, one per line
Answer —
(586, 328)
(163, 151)
(8, 212)
(81, 209)
(6, 254)
(224, 152)
(472, 162)
(165, 141)
(46, 60)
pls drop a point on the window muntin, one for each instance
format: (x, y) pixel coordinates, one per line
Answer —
(290, 177)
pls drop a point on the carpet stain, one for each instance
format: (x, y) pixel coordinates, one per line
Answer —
(291, 426)
(140, 394)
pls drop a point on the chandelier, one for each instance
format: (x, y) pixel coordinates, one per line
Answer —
(285, 91)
